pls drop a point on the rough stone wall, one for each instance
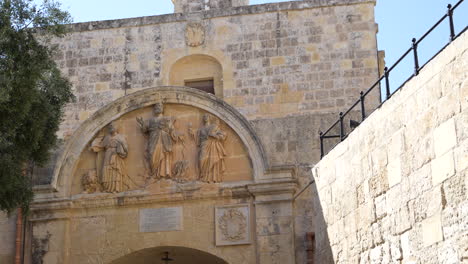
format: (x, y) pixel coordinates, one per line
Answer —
(7, 238)
(395, 191)
(279, 59)
(286, 67)
(293, 141)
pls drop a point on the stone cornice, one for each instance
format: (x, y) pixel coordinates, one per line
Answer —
(60, 208)
(235, 11)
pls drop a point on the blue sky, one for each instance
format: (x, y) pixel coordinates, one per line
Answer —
(399, 21)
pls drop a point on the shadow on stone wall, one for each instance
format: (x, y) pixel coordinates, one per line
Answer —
(294, 141)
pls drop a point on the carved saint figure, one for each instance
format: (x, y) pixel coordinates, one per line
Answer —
(112, 170)
(211, 150)
(161, 139)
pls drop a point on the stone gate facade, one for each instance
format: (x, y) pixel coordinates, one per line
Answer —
(195, 132)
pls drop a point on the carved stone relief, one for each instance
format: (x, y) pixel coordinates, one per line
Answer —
(211, 150)
(232, 225)
(194, 34)
(162, 139)
(164, 146)
(110, 174)
(90, 182)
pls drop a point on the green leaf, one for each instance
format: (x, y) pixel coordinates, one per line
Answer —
(32, 93)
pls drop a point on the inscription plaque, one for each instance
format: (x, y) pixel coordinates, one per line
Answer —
(161, 219)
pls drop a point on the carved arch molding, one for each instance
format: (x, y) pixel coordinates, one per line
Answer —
(166, 133)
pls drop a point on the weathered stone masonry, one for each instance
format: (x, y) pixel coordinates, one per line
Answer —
(286, 67)
(278, 60)
(395, 191)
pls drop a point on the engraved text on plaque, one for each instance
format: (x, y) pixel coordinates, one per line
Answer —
(161, 219)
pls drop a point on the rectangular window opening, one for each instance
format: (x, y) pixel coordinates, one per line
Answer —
(206, 85)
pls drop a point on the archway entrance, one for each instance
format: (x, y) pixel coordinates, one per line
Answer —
(174, 255)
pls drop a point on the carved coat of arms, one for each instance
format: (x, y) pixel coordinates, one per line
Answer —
(232, 225)
(194, 34)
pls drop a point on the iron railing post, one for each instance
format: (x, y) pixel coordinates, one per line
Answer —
(450, 16)
(387, 82)
(341, 127)
(363, 107)
(415, 52)
(321, 145)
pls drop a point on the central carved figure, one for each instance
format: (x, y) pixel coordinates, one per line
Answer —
(161, 139)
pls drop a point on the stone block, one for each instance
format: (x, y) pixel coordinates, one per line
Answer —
(277, 61)
(432, 230)
(427, 204)
(405, 244)
(366, 213)
(274, 243)
(461, 124)
(274, 209)
(461, 156)
(394, 172)
(447, 254)
(350, 226)
(378, 184)
(402, 220)
(396, 144)
(454, 190)
(379, 160)
(442, 168)
(380, 206)
(421, 181)
(278, 257)
(274, 226)
(102, 86)
(376, 255)
(445, 113)
(445, 137)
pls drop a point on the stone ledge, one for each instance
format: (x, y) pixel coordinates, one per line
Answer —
(235, 11)
(273, 191)
(46, 209)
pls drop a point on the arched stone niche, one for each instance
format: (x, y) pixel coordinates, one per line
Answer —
(247, 159)
(197, 67)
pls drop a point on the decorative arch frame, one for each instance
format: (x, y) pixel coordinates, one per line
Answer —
(68, 160)
(208, 66)
(172, 56)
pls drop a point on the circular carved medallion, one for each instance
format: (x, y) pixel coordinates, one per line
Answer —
(233, 225)
(194, 34)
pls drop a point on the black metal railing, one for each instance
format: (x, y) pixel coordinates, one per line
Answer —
(386, 78)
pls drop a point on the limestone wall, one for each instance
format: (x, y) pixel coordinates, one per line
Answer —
(395, 191)
(278, 59)
(7, 238)
(97, 234)
(285, 66)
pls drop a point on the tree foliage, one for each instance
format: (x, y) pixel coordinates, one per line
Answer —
(32, 93)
